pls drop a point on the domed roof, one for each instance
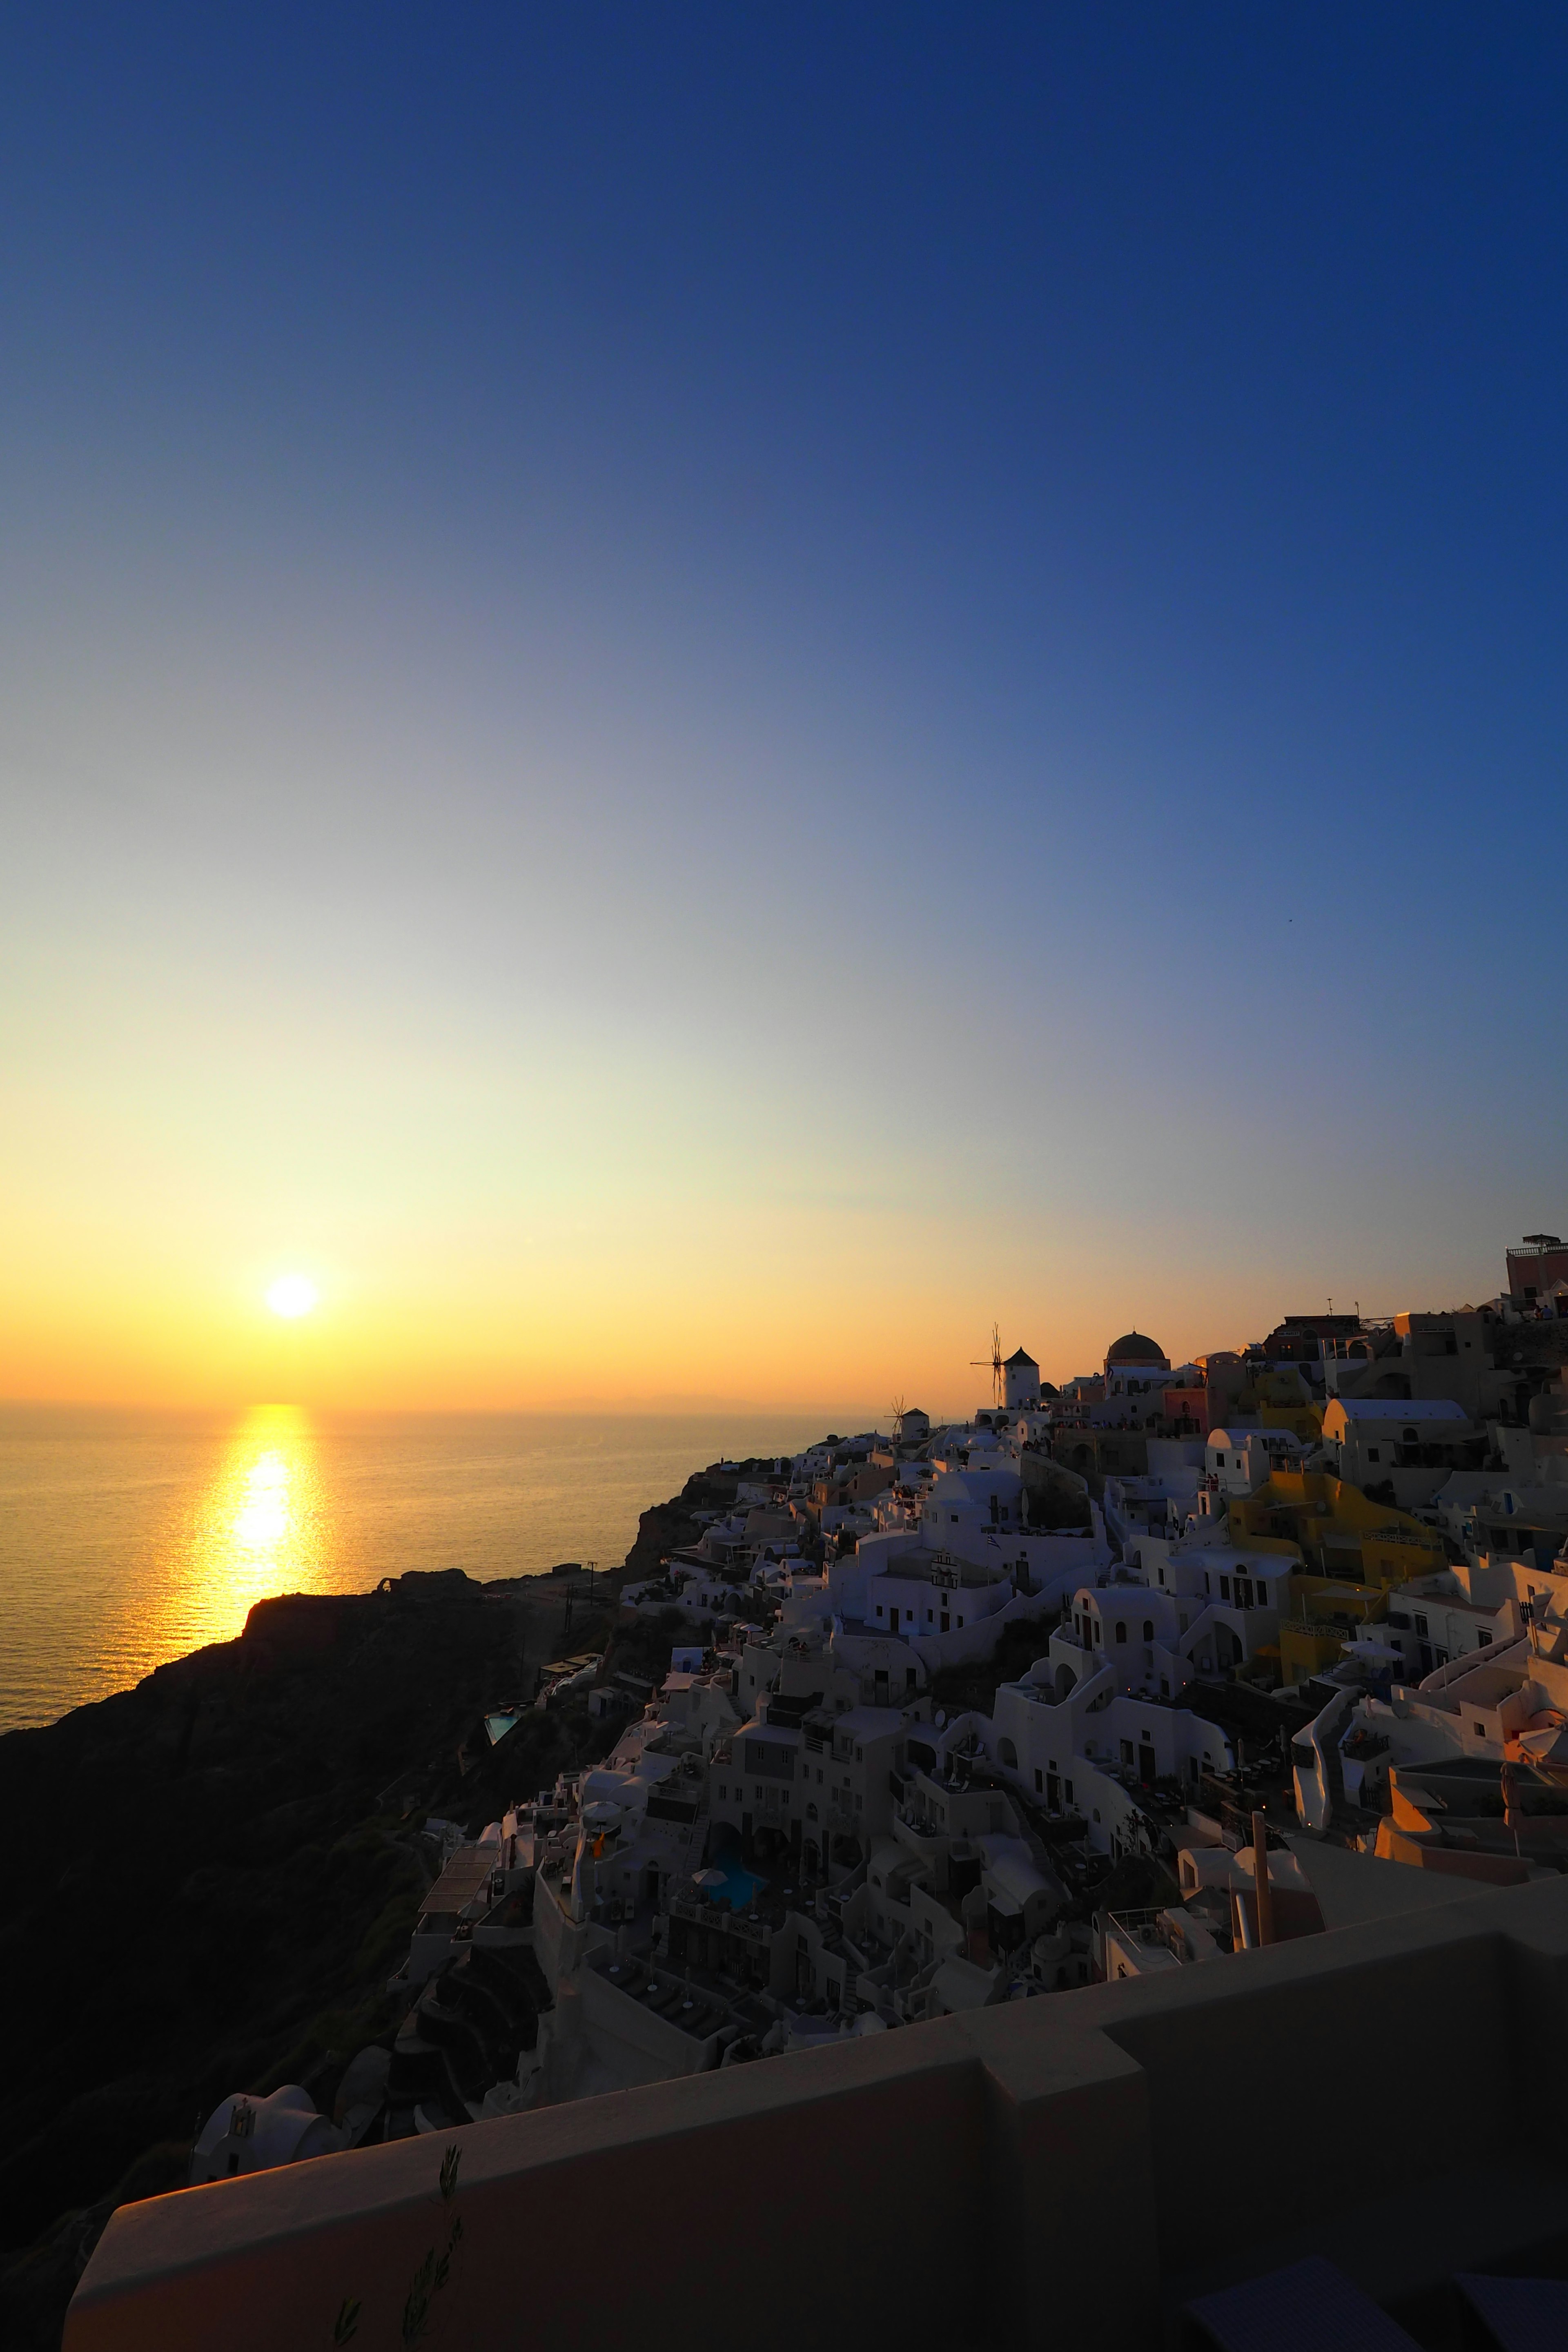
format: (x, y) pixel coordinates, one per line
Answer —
(1132, 1347)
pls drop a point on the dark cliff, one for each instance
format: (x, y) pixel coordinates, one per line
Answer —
(210, 1877)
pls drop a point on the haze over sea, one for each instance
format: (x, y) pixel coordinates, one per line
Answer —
(128, 1539)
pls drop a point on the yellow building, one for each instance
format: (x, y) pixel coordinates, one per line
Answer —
(1326, 1611)
(1305, 1650)
(1302, 1420)
(1281, 1400)
(1338, 1531)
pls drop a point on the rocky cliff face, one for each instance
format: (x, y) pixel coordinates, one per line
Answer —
(667, 1526)
(209, 1878)
(207, 1881)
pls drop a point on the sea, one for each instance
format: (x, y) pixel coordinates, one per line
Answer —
(128, 1539)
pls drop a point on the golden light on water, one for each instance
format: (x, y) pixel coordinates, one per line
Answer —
(259, 1528)
(292, 1294)
(264, 1530)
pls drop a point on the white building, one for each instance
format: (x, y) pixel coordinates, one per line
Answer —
(246, 2135)
(1412, 1446)
(1207, 1611)
(1241, 1461)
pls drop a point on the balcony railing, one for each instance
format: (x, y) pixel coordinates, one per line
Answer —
(1147, 1925)
(921, 1823)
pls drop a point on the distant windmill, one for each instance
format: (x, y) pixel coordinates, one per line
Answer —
(898, 1412)
(998, 1386)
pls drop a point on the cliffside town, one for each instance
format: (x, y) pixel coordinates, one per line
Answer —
(1113, 1679)
(1172, 1664)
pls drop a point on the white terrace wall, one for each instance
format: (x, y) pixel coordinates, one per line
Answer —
(979, 1641)
(1059, 2171)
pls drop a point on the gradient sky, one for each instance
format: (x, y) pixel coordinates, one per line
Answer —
(692, 696)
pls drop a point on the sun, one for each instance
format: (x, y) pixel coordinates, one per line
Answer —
(292, 1294)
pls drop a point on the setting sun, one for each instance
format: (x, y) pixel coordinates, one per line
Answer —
(292, 1294)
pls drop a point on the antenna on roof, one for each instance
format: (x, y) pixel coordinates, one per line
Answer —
(998, 1388)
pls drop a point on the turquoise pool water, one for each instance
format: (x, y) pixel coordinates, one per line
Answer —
(739, 1883)
(498, 1726)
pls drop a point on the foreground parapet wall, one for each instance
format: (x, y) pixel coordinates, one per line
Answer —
(1054, 2171)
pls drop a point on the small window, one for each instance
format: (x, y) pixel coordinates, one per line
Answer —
(1225, 1587)
(1480, 1729)
(1148, 1629)
(1120, 1631)
(1127, 1751)
(1373, 1453)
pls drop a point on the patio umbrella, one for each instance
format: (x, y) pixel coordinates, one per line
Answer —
(1547, 1749)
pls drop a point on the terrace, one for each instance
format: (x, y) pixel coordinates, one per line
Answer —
(1147, 1940)
(1054, 2160)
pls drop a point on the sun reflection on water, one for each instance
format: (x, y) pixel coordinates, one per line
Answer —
(258, 1529)
(262, 1521)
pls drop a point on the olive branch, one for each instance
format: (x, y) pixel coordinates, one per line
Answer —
(428, 2281)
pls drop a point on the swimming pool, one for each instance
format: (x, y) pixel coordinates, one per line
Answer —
(498, 1726)
(739, 1883)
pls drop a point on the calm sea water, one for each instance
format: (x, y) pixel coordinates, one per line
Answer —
(128, 1538)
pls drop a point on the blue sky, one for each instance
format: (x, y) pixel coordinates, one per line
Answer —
(724, 690)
